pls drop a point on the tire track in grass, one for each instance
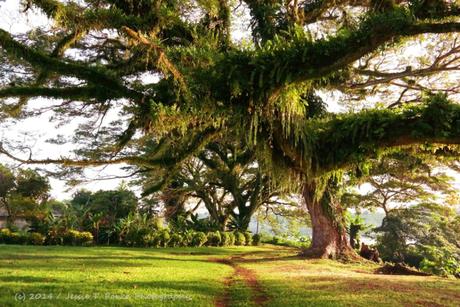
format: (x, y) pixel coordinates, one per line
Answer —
(258, 297)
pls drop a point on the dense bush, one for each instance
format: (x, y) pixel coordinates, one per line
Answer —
(256, 239)
(162, 237)
(9, 237)
(4, 234)
(442, 261)
(240, 238)
(77, 238)
(428, 242)
(248, 238)
(54, 237)
(199, 239)
(214, 238)
(36, 238)
(225, 238)
(12, 237)
(139, 238)
(232, 238)
(176, 240)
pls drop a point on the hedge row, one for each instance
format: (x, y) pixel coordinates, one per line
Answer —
(159, 238)
(69, 237)
(164, 238)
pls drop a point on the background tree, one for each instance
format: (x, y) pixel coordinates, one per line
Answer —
(424, 236)
(100, 211)
(400, 179)
(419, 203)
(227, 180)
(22, 193)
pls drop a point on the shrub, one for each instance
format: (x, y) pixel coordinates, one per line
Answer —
(77, 238)
(150, 240)
(54, 238)
(240, 239)
(69, 237)
(163, 237)
(199, 238)
(214, 238)
(36, 238)
(19, 238)
(439, 260)
(224, 238)
(188, 238)
(248, 238)
(137, 237)
(85, 238)
(256, 239)
(176, 240)
(4, 235)
(232, 238)
(9, 237)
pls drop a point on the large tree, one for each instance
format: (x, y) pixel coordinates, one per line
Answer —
(98, 54)
(227, 180)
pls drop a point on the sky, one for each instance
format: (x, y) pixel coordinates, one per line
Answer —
(35, 131)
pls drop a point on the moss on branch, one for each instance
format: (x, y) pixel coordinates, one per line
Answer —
(325, 145)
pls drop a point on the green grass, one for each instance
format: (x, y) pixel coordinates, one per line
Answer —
(184, 276)
(298, 282)
(116, 276)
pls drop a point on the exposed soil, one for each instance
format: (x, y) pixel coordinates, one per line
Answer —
(259, 297)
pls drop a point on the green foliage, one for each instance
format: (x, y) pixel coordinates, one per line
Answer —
(31, 185)
(231, 238)
(214, 239)
(199, 238)
(23, 193)
(12, 237)
(181, 222)
(36, 238)
(5, 235)
(77, 238)
(248, 238)
(240, 238)
(138, 230)
(303, 242)
(210, 87)
(177, 240)
(54, 237)
(224, 238)
(425, 236)
(256, 239)
(100, 212)
(355, 226)
(440, 260)
(163, 237)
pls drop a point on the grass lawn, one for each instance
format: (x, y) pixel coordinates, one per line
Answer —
(238, 276)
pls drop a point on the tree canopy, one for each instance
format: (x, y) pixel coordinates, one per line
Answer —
(98, 56)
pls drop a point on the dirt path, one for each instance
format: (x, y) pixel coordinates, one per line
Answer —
(258, 297)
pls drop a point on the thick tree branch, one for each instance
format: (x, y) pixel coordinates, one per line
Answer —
(38, 59)
(335, 144)
(75, 93)
(260, 74)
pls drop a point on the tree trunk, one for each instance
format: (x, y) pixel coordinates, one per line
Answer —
(329, 236)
